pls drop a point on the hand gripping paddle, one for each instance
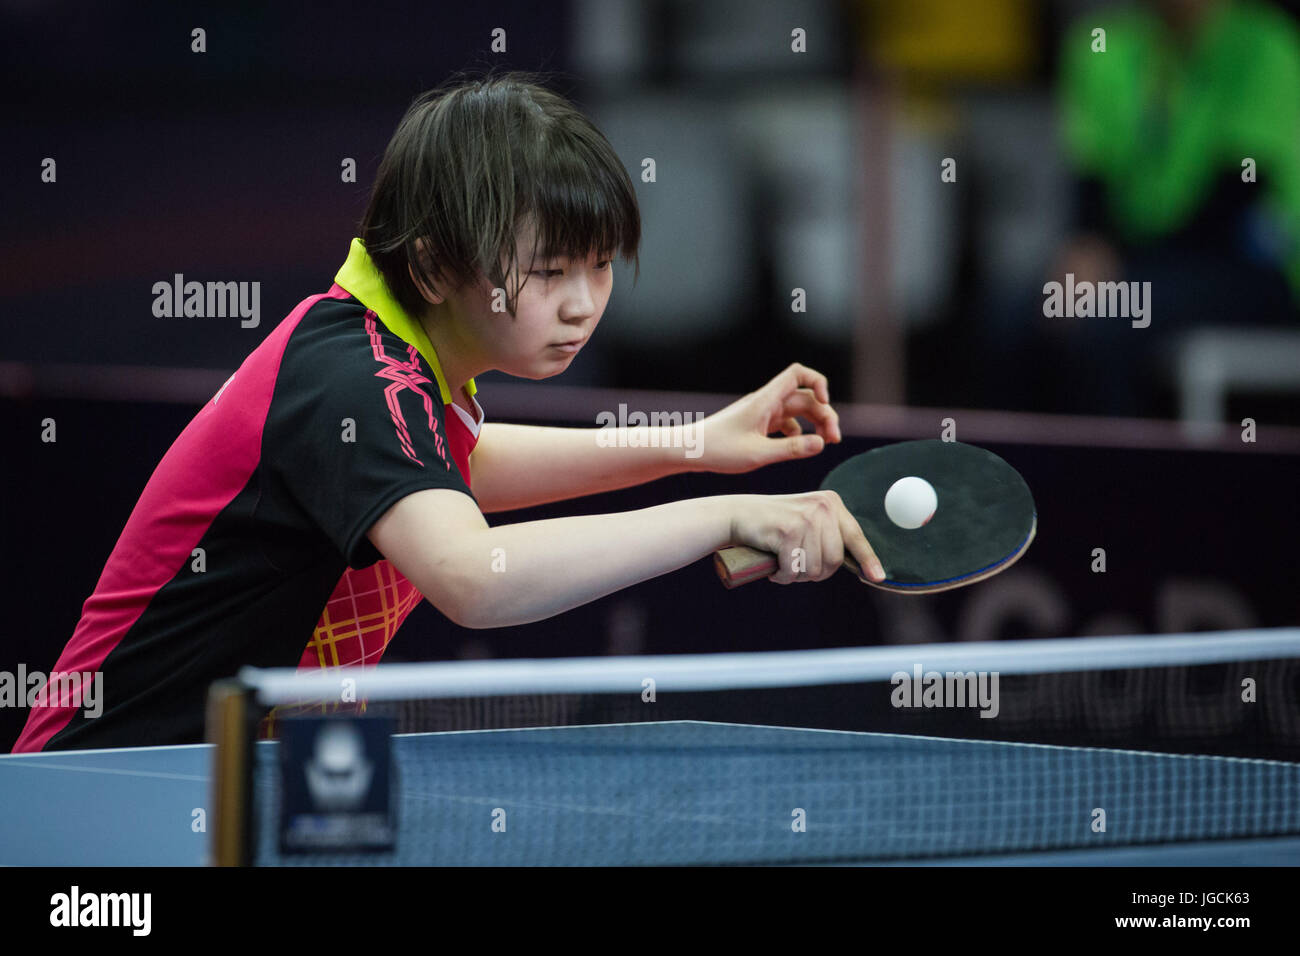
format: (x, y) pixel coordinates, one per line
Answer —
(985, 519)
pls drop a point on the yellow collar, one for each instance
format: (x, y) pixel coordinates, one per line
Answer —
(360, 277)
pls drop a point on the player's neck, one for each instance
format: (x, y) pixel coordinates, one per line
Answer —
(456, 354)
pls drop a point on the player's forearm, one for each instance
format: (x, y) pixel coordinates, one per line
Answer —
(517, 466)
(519, 573)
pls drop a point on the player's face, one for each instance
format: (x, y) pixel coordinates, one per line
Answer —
(557, 310)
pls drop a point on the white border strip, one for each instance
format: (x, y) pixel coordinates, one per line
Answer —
(688, 672)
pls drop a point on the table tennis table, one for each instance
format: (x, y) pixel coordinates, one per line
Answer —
(686, 792)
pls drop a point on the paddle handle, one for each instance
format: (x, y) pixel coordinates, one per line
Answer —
(739, 565)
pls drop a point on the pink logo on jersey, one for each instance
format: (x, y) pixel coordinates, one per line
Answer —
(404, 376)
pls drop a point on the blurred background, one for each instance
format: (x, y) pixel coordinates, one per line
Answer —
(878, 189)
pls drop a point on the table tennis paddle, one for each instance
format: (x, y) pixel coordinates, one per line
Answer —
(985, 519)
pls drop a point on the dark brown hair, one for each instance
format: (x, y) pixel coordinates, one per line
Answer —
(473, 160)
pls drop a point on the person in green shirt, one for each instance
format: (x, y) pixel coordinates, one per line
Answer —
(1183, 135)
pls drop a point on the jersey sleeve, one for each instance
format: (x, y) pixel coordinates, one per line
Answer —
(357, 425)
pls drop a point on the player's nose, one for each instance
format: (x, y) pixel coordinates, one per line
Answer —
(579, 303)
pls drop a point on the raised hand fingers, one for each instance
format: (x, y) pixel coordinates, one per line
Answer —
(804, 403)
(798, 376)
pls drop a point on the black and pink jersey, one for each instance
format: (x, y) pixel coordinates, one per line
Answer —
(248, 545)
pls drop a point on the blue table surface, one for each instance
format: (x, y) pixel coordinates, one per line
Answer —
(638, 787)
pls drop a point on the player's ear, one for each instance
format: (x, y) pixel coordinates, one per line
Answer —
(430, 294)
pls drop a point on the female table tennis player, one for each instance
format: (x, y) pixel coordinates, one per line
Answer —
(343, 472)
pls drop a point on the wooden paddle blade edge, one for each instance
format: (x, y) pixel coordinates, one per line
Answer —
(967, 581)
(740, 565)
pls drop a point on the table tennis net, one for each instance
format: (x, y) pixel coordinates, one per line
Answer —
(818, 756)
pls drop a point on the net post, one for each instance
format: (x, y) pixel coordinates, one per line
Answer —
(230, 728)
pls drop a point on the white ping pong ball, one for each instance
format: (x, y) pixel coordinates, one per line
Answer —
(910, 502)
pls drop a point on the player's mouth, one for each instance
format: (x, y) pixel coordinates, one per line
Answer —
(569, 347)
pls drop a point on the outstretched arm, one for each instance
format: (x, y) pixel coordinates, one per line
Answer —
(481, 576)
(516, 466)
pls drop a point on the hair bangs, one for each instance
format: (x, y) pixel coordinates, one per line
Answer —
(482, 172)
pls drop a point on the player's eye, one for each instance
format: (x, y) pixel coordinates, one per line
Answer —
(548, 273)
(604, 264)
